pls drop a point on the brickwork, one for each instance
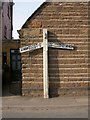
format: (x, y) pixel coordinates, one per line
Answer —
(68, 70)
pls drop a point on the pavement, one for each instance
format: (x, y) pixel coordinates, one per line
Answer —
(16, 106)
(39, 107)
(10, 100)
(26, 102)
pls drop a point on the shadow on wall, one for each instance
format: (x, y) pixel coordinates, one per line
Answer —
(54, 67)
(54, 73)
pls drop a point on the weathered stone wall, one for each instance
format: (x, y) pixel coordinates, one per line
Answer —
(68, 70)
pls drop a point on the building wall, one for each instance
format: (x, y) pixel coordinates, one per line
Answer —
(7, 77)
(6, 9)
(7, 20)
(0, 29)
(0, 45)
(6, 17)
(7, 46)
(0, 21)
(68, 69)
(8, 43)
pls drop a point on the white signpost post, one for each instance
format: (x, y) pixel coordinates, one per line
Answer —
(45, 44)
(45, 64)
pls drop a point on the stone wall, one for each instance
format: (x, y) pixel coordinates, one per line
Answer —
(68, 69)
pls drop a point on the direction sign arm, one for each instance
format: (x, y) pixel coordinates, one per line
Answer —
(31, 47)
(60, 45)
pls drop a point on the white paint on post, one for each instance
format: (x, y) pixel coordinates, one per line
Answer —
(45, 64)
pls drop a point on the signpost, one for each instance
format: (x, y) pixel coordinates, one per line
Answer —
(45, 44)
(45, 64)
